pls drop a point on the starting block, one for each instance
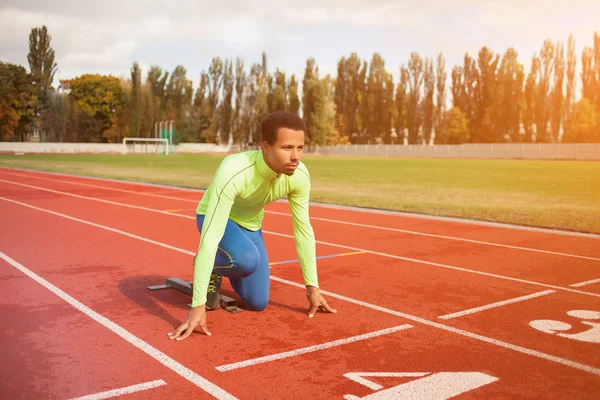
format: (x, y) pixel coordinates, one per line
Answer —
(183, 286)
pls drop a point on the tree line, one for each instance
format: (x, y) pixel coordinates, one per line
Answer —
(489, 98)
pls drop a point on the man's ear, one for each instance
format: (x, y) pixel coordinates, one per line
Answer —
(265, 146)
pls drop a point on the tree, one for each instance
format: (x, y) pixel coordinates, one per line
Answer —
(158, 89)
(294, 106)
(321, 123)
(215, 81)
(571, 83)
(427, 115)
(542, 108)
(413, 120)
(583, 124)
(342, 87)
(378, 107)
(485, 105)
(309, 86)
(402, 102)
(256, 102)
(280, 102)
(240, 83)
(136, 100)
(226, 107)
(41, 59)
(470, 92)
(99, 99)
(349, 93)
(510, 93)
(440, 103)
(530, 99)
(556, 116)
(454, 127)
(597, 71)
(18, 101)
(458, 87)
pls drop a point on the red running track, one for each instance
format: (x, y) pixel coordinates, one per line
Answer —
(451, 304)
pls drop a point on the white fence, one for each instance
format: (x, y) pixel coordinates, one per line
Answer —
(541, 151)
(97, 148)
(528, 151)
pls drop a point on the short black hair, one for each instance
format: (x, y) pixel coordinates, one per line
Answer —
(279, 119)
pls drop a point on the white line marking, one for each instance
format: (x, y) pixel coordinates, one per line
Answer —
(586, 283)
(358, 377)
(126, 390)
(159, 356)
(317, 241)
(494, 305)
(310, 349)
(500, 343)
(524, 350)
(439, 386)
(332, 221)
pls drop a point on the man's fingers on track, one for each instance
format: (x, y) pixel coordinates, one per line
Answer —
(176, 332)
(205, 329)
(327, 307)
(187, 333)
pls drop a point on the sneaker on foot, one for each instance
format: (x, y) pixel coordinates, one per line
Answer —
(212, 294)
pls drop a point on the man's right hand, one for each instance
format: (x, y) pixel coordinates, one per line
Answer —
(196, 317)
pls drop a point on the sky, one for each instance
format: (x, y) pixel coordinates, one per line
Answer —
(106, 37)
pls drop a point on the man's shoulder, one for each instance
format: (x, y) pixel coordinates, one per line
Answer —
(303, 170)
(301, 176)
(237, 163)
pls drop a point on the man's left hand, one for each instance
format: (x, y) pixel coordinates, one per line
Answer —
(317, 302)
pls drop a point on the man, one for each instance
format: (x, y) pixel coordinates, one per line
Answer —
(229, 218)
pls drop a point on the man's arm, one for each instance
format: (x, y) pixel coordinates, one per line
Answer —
(221, 197)
(304, 235)
(305, 242)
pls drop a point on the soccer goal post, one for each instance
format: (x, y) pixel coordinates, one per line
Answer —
(146, 146)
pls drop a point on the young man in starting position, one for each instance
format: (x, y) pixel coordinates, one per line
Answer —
(229, 218)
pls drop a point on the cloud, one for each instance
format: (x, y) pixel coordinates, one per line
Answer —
(107, 36)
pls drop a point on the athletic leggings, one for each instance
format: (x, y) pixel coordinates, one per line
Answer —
(242, 257)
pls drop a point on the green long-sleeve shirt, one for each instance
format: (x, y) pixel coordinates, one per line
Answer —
(243, 185)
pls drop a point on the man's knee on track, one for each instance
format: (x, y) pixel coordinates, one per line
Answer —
(256, 304)
(249, 261)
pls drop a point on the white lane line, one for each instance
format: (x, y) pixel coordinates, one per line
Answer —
(497, 304)
(159, 356)
(580, 284)
(447, 328)
(567, 289)
(333, 221)
(122, 391)
(310, 349)
(423, 321)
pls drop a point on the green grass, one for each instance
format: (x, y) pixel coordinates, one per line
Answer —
(552, 194)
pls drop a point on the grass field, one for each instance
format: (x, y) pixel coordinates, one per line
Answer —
(552, 194)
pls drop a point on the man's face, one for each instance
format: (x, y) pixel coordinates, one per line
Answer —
(284, 155)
